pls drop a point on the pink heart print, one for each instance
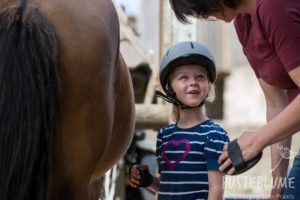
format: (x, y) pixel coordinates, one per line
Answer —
(170, 164)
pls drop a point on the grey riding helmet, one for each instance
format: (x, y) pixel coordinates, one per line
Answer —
(184, 53)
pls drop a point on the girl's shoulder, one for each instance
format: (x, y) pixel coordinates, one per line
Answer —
(168, 128)
(216, 130)
(211, 124)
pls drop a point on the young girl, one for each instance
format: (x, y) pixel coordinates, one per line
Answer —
(188, 150)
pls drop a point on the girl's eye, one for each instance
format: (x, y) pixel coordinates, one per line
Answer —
(201, 77)
(182, 77)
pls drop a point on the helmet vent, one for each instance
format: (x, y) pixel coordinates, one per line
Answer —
(192, 45)
(168, 52)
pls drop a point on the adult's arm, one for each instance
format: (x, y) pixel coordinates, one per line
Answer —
(285, 124)
(276, 101)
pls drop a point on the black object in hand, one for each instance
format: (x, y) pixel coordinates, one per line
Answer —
(146, 178)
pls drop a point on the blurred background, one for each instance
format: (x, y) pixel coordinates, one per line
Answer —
(148, 28)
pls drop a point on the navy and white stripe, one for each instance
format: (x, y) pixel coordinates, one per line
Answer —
(185, 156)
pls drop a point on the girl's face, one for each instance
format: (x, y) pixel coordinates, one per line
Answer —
(190, 83)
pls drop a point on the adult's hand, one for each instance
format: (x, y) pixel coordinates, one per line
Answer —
(249, 148)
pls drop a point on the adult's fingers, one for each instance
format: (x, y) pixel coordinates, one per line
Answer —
(231, 171)
(224, 155)
(225, 165)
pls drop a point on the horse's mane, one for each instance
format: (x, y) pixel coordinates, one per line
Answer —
(29, 102)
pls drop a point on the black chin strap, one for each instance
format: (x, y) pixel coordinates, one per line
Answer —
(175, 101)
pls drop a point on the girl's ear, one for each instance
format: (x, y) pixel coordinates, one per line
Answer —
(211, 93)
(209, 87)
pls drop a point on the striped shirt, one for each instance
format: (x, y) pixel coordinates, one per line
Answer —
(185, 156)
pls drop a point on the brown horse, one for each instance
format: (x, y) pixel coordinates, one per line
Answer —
(66, 99)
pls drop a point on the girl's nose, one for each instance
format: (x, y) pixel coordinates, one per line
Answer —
(193, 81)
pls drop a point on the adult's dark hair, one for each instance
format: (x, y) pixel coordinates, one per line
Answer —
(200, 8)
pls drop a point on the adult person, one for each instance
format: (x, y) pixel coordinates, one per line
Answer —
(269, 31)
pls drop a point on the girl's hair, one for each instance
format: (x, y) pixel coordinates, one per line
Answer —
(175, 115)
(200, 8)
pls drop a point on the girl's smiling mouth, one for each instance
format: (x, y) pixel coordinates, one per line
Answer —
(194, 92)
